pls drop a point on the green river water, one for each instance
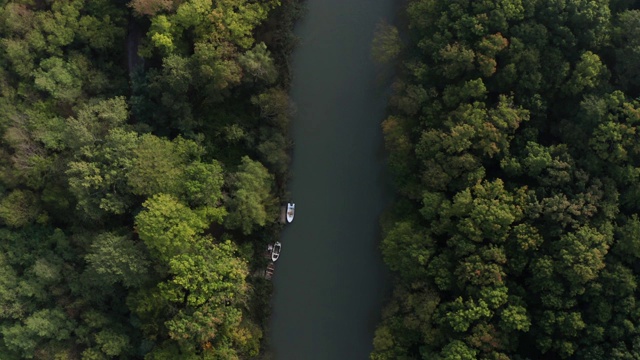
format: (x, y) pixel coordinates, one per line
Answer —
(330, 281)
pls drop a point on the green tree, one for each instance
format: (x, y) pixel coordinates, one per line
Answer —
(250, 202)
(98, 176)
(257, 64)
(514, 317)
(118, 259)
(629, 237)
(168, 227)
(112, 343)
(159, 165)
(407, 250)
(19, 208)
(588, 73)
(625, 37)
(457, 350)
(203, 183)
(42, 325)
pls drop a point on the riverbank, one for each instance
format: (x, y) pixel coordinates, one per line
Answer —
(277, 33)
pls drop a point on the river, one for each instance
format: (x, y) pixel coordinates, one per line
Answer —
(330, 282)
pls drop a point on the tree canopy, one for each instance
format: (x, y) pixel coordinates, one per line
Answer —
(512, 139)
(143, 146)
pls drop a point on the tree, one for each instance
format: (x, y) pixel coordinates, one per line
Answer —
(519, 153)
(168, 90)
(159, 165)
(112, 343)
(161, 33)
(19, 208)
(98, 176)
(581, 256)
(206, 289)
(257, 63)
(457, 350)
(627, 51)
(94, 121)
(273, 151)
(168, 227)
(629, 238)
(460, 314)
(486, 211)
(399, 145)
(217, 67)
(514, 317)
(42, 325)
(250, 202)
(203, 183)
(210, 274)
(117, 259)
(407, 250)
(236, 19)
(589, 72)
(275, 106)
(59, 78)
(92, 288)
(456, 60)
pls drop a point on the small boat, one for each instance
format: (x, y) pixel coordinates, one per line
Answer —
(275, 253)
(291, 208)
(268, 273)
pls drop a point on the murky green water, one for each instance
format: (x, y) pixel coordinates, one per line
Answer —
(330, 280)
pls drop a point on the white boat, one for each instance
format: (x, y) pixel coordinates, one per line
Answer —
(275, 252)
(291, 209)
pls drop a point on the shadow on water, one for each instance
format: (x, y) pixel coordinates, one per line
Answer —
(330, 282)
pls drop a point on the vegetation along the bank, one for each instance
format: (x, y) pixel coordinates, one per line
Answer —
(514, 137)
(143, 157)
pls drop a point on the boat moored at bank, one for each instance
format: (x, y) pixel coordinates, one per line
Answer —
(291, 208)
(275, 252)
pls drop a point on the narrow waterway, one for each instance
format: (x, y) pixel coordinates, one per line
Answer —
(330, 281)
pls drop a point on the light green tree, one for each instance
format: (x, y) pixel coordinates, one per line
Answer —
(168, 227)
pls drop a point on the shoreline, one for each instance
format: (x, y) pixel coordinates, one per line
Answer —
(277, 33)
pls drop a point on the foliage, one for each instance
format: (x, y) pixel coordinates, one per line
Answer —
(251, 203)
(119, 200)
(512, 137)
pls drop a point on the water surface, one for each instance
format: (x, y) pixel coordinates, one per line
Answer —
(330, 280)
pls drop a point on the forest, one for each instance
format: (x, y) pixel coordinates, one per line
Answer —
(514, 139)
(144, 152)
(143, 157)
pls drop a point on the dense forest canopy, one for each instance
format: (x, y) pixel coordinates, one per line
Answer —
(139, 184)
(514, 139)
